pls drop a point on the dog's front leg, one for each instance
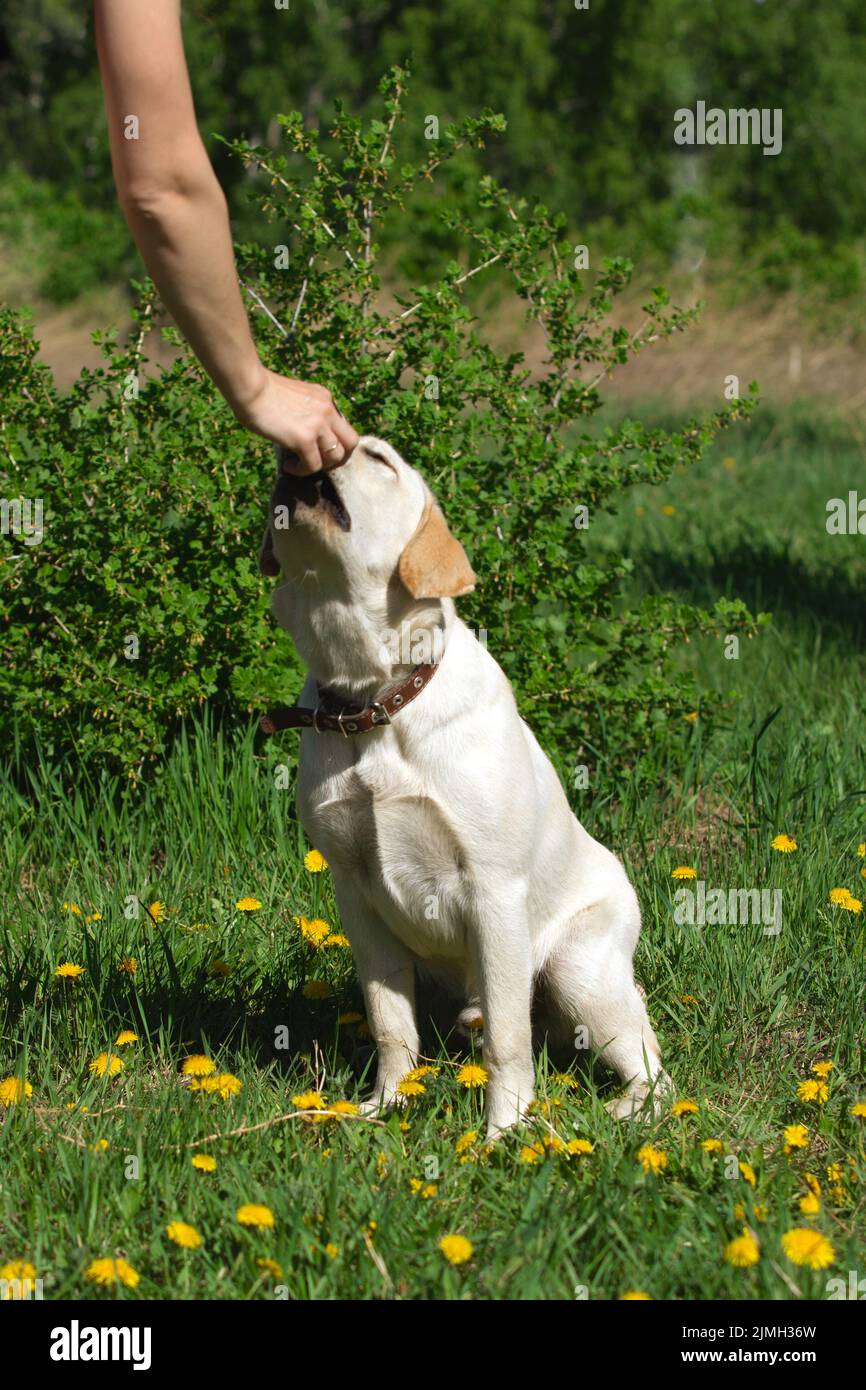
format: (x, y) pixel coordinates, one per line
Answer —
(386, 970)
(502, 958)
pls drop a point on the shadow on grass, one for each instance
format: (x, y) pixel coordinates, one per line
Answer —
(765, 578)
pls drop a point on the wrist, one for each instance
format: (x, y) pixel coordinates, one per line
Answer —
(246, 387)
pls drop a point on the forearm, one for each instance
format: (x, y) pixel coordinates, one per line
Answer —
(178, 216)
(184, 238)
(167, 189)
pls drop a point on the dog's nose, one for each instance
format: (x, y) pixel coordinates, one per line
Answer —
(291, 465)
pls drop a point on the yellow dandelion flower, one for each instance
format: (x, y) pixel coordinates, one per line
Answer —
(861, 849)
(834, 1172)
(67, 971)
(684, 1107)
(73, 908)
(310, 1100)
(106, 1064)
(748, 1173)
(125, 1038)
(466, 1141)
(315, 930)
(807, 1247)
(810, 1205)
(418, 1073)
(691, 717)
(99, 1147)
(411, 1088)
(16, 1277)
(579, 1146)
(350, 1017)
(128, 965)
(183, 1234)
(252, 1214)
(688, 999)
(683, 871)
(813, 1091)
(93, 917)
(760, 1211)
(456, 1249)
(472, 1075)
(248, 904)
(846, 900)
(565, 1078)
(785, 844)
(222, 1084)
(553, 1141)
(270, 1267)
(205, 1163)
(635, 1296)
(822, 1068)
(316, 989)
(112, 1272)
(743, 1251)
(13, 1090)
(315, 862)
(332, 1250)
(652, 1160)
(712, 1146)
(796, 1137)
(156, 911)
(345, 1107)
(198, 1065)
(859, 1110)
(337, 939)
(531, 1153)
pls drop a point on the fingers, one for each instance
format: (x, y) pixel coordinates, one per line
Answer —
(332, 450)
(303, 417)
(344, 433)
(303, 456)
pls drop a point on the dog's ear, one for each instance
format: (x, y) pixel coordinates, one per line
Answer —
(268, 563)
(434, 563)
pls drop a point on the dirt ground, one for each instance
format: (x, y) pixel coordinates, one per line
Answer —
(770, 343)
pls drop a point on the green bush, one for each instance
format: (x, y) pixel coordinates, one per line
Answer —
(143, 599)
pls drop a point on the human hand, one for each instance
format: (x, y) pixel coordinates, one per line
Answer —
(303, 418)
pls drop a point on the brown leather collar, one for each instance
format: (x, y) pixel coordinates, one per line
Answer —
(349, 719)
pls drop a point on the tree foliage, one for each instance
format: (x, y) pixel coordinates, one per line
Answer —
(589, 97)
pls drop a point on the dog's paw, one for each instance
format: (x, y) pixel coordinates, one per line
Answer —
(628, 1107)
(471, 1024)
(381, 1103)
(642, 1102)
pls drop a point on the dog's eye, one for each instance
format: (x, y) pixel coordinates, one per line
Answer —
(380, 458)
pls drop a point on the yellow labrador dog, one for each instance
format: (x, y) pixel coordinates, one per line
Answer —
(450, 840)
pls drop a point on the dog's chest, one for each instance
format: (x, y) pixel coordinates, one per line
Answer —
(387, 836)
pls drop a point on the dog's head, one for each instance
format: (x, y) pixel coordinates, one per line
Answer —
(372, 519)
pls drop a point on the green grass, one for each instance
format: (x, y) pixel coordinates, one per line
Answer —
(218, 827)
